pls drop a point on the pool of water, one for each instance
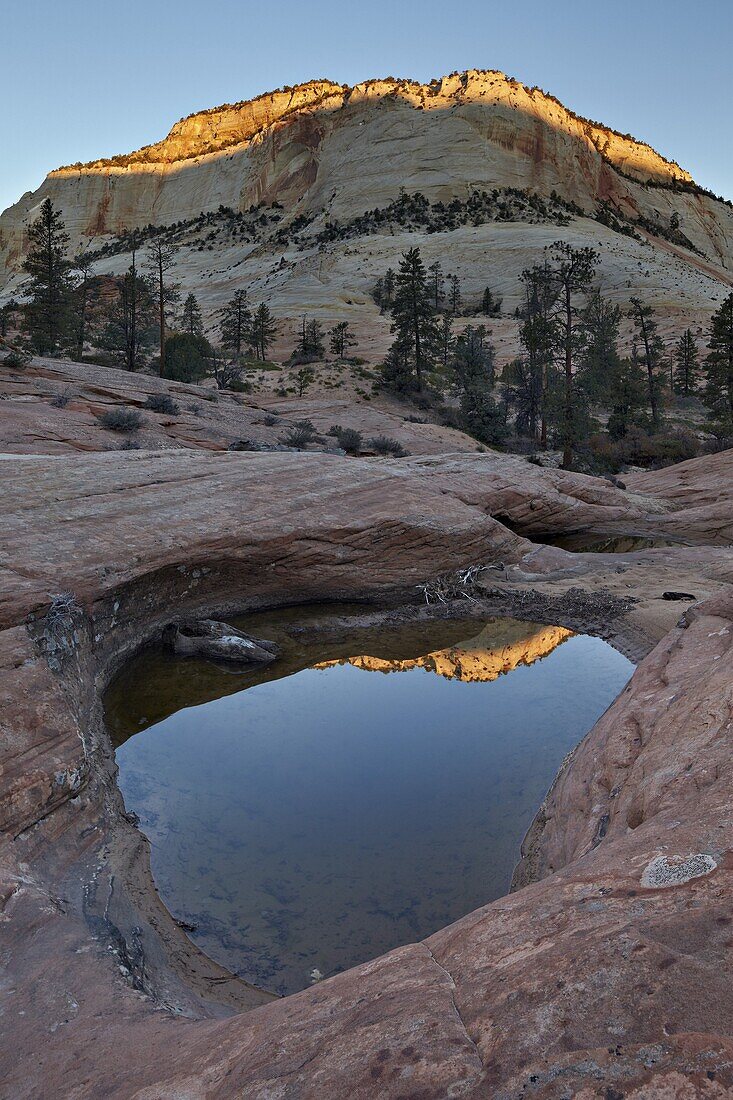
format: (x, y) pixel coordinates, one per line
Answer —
(362, 792)
(608, 544)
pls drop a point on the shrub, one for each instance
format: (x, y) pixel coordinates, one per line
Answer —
(383, 445)
(162, 403)
(101, 359)
(228, 375)
(426, 399)
(450, 417)
(722, 432)
(187, 357)
(243, 445)
(301, 435)
(301, 359)
(17, 358)
(347, 438)
(297, 437)
(121, 420)
(640, 448)
(61, 400)
(481, 417)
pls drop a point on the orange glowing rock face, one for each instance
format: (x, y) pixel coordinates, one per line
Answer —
(500, 647)
(230, 125)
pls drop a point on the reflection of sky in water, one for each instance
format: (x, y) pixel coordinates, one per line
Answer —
(318, 820)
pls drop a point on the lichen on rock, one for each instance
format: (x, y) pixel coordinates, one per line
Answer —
(663, 871)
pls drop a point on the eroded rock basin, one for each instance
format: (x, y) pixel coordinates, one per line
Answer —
(363, 792)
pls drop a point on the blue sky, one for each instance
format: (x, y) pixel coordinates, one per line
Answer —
(86, 78)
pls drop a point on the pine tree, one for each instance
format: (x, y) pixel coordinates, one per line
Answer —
(445, 339)
(490, 306)
(133, 293)
(263, 330)
(481, 335)
(413, 323)
(652, 351)
(79, 302)
(305, 377)
(131, 318)
(398, 371)
(236, 319)
(626, 397)
(473, 358)
(310, 342)
(572, 270)
(473, 366)
(314, 341)
(454, 294)
(520, 390)
(47, 311)
(719, 366)
(191, 319)
(160, 261)
(341, 338)
(7, 313)
(599, 359)
(436, 282)
(388, 288)
(686, 369)
(537, 335)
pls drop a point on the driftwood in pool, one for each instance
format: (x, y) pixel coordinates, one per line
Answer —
(210, 638)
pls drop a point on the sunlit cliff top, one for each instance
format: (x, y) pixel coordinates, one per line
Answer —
(230, 125)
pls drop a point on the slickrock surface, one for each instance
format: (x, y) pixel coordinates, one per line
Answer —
(53, 406)
(607, 975)
(702, 486)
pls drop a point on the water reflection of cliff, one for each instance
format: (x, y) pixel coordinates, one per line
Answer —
(156, 684)
(500, 647)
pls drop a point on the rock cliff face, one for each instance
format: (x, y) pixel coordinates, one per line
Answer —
(323, 153)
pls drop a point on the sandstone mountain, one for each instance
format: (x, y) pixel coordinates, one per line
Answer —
(306, 195)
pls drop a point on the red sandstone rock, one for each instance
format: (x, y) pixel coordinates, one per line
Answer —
(600, 979)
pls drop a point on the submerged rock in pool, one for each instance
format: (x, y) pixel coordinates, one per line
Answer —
(210, 638)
